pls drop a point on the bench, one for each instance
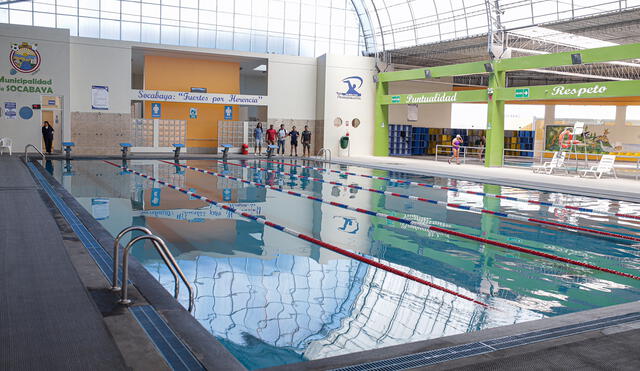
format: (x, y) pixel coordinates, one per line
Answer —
(176, 150)
(270, 149)
(125, 149)
(225, 150)
(67, 149)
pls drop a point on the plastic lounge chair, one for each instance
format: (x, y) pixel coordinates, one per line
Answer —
(557, 162)
(6, 143)
(605, 166)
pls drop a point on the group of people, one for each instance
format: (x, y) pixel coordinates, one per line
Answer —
(279, 136)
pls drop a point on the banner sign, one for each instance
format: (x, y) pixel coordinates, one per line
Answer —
(206, 98)
(608, 89)
(439, 97)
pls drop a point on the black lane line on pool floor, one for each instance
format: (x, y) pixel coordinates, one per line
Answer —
(436, 356)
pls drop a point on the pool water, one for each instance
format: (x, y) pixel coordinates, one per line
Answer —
(274, 299)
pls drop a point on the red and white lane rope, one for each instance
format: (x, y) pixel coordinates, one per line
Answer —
(304, 237)
(453, 189)
(444, 203)
(416, 224)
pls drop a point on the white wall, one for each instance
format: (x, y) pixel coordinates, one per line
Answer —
(435, 115)
(53, 46)
(292, 87)
(100, 62)
(336, 70)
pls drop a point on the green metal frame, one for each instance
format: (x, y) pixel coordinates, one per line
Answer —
(497, 94)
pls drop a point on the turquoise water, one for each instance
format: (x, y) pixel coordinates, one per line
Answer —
(273, 299)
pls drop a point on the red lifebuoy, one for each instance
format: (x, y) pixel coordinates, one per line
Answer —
(567, 143)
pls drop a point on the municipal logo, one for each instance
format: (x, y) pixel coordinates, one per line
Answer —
(353, 84)
(25, 57)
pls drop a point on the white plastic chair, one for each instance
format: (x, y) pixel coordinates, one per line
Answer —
(6, 143)
(605, 166)
(556, 163)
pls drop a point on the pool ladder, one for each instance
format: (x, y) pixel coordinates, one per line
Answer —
(325, 153)
(26, 154)
(164, 253)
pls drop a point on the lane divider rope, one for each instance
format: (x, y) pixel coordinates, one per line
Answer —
(416, 224)
(304, 237)
(453, 189)
(444, 203)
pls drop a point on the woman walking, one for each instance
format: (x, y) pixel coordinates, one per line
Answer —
(456, 143)
(47, 136)
(258, 135)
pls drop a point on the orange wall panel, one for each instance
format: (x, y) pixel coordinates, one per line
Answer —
(181, 74)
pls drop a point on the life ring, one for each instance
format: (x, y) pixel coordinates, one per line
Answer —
(567, 143)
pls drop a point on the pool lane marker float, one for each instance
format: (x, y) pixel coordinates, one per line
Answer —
(452, 189)
(416, 224)
(442, 203)
(304, 237)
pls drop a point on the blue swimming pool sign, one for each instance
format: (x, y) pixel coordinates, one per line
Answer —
(155, 197)
(228, 112)
(226, 194)
(156, 110)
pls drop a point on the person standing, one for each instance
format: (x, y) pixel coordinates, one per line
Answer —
(306, 141)
(47, 136)
(271, 135)
(258, 136)
(282, 134)
(456, 143)
(294, 134)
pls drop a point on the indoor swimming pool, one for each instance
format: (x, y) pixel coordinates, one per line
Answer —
(277, 292)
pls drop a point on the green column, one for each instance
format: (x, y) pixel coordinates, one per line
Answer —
(495, 122)
(381, 129)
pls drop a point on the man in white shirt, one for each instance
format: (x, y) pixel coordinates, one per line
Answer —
(282, 134)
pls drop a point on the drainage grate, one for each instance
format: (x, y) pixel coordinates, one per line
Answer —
(172, 349)
(473, 349)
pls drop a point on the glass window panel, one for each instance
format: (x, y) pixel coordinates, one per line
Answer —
(66, 10)
(88, 27)
(189, 4)
(150, 33)
(189, 36)
(45, 8)
(110, 6)
(322, 47)
(208, 5)
(242, 42)
(225, 19)
(171, 2)
(44, 19)
(243, 22)
(68, 22)
(275, 44)
(259, 43)
(292, 11)
(292, 27)
(290, 46)
(207, 17)
(276, 25)
(308, 14)
(307, 29)
(306, 48)
(151, 10)
(206, 38)
(188, 15)
(130, 31)
(225, 6)
(109, 29)
(170, 12)
(260, 7)
(260, 23)
(87, 4)
(224, 40)
(22, 6)
(170, 35)
(4, 15)
(21, 17)
(276, 9)
(243, 7)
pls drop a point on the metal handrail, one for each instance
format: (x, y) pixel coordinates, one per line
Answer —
(323, 152)
(166, 256)
(26, 154)
(463, 152)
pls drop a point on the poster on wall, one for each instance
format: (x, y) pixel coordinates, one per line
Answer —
(228, 112)
(412, 112)
(99, 97)
(193, 113)
(10, 110)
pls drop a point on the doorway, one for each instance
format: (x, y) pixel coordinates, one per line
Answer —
(51, 110)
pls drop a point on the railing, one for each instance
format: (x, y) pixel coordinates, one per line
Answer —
(323, 152)
(164, 253)
(477, 151)
(26, 154)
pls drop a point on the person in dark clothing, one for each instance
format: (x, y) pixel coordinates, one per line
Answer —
(306, 141)
(47, 136)
(294, 134)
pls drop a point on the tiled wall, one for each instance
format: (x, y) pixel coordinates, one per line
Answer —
(316, 133)
(97, 133)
